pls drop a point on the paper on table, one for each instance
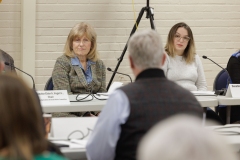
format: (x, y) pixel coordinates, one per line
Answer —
(203, 93)
(114, 86)
(71, 145)
(101, 96)
(230, 129)
(83, 143)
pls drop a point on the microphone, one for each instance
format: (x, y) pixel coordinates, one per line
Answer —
(205, 57)
(109, 69)
(8, 64)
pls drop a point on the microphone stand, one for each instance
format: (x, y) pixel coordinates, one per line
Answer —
(149, 14)
(6, 63)
(223, 91)
(109, 69)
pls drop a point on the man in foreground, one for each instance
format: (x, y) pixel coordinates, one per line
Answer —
(133, 109)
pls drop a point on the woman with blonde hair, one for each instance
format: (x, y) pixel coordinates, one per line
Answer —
(22, 131)
(183, 65)
(79, 69)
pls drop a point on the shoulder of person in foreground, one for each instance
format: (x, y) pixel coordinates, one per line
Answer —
(107, 129)
(49, 156)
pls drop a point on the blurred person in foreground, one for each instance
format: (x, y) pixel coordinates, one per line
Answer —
(133, 109)
(22, 132)
(183, 137)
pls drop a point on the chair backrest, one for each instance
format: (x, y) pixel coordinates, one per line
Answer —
(49, 84)
(220, 81)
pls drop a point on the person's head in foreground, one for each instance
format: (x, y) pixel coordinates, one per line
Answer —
(182, 137)
(22, 133)
(145, 51)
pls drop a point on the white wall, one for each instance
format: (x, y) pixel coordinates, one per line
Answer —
(215, 25)
(10, 28)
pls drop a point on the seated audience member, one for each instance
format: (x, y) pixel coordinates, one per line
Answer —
(133, 109)
(183, 65)
(22, 132)
(79, 70)
(182, 137)
(4, 57)
(233, 68)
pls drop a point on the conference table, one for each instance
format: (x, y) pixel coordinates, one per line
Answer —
(77, 106)
(228, 102)
(229, 132)
(97, 105)
(221, 100)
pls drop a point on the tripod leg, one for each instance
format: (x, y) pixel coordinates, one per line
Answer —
(150, 15)
(125, 48)
(151, 22)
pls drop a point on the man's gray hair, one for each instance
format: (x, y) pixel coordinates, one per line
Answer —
(146, 49)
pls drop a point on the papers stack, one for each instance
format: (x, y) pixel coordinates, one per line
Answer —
(203, 93)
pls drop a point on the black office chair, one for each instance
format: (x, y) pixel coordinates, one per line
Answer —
(220, 81)
(49, 84)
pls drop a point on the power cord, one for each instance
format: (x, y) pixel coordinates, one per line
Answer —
(79, 131)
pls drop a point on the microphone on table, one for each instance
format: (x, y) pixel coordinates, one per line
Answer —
(8, 64)
(205, 57)
(109, 69)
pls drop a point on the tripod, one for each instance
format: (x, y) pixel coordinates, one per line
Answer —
(149, 14)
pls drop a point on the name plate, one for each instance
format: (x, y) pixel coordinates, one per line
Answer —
(55, 97)
(233, 91)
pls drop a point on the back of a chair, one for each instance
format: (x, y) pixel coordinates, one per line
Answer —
(220, 81)
(49, 84)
